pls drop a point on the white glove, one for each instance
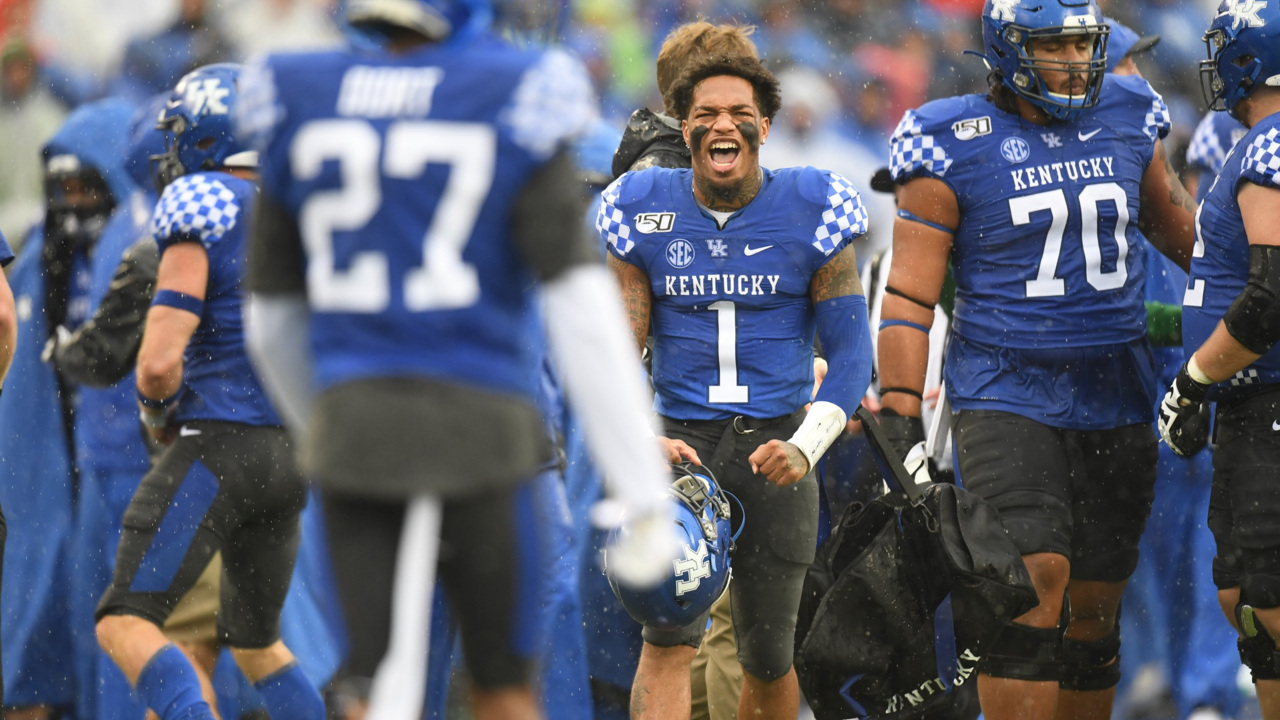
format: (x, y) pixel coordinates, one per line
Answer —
(59, 337)
(646, 547)
(917, 463)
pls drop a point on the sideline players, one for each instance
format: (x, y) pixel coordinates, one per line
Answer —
(1231, 322)
(1042, 195)
(228, 481)
(409, 195)
(735, 267)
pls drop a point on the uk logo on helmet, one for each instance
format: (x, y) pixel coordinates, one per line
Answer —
(1004, 9)
(695, 565)
(206, 97)
(1245, 12)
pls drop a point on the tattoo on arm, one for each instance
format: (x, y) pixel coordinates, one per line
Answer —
(636, 297)
(839, 277)
(1178, 194)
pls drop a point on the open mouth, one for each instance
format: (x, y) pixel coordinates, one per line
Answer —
(724, 154)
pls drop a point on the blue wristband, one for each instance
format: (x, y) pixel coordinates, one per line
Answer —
(179, 300)
(908, 215)
(903, 323)
(163, 404)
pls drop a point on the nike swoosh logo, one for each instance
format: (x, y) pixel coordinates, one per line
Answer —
(1275, 426)
(185, 431)
(1089, 135)
(749, 251)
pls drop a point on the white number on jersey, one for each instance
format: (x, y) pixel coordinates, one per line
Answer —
(728, 390)
(1046, 282)
(444, 281)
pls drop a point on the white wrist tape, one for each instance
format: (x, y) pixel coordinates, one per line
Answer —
(1193, 369)
(820, 428)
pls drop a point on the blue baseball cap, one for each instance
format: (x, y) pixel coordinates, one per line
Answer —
(1124, 42)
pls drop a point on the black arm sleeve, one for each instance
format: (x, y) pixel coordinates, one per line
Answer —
(276, 259)
(102, 351)
(549, 220)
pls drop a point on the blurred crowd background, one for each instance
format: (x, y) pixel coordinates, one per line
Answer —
(849, 67)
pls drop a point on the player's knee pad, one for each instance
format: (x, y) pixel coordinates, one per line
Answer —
(1023, 652)
(1257, 649)
(1091, 665)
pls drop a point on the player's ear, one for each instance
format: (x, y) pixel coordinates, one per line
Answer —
(684, 130)
(764, 129)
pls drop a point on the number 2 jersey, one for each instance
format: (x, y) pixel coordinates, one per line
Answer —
(1048, 259)
(733, 324)
(1220, 262)
(402, 171)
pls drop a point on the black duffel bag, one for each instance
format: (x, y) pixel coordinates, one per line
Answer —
(903, 599)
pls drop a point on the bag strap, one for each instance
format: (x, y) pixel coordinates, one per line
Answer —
(890, 464)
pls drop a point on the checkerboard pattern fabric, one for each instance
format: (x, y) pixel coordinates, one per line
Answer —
(611, 224)
(1206, 151)
(911, 150)
(1262, 159)
(195, 206)
(1158, 122)
(845, 218)
(1248, 376)
(554, 103)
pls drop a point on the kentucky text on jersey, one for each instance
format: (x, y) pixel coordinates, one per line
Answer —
(733, 323)
(726, 284)
(1073, 170)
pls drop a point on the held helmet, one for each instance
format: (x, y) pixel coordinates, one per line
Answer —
(197, 123)
(1010, 26)
(1243, 42)
(701, 572)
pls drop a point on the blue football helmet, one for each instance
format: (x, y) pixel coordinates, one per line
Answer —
(1244, 51)
(701, 572)
(197, 124)
(433, 19)
(1010, 26)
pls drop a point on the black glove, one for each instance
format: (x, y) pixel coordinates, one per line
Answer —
(903, 432)
(1184, 416)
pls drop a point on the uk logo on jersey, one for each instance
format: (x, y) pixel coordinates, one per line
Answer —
(680, 253)
(717, 248)
(206, 97)
(1051, 139)
(1015, 150)
(695, 566)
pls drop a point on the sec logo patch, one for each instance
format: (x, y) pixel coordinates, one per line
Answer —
(1015, 150)
(680, 253)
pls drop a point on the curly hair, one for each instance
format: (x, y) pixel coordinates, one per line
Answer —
(765, 86)
(692, 41)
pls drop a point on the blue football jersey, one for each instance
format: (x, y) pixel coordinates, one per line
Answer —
(733, 324)
(1214, 137)
(213, 209)
(402, 171)
(1048, 259)
(6, 252)
(1220, 262)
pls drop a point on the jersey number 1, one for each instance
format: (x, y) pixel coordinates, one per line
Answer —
(727, 390)
(444, 280)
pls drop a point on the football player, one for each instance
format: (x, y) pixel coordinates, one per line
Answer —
(1042, 195)
(735, 267)
(1231, 322)
(228, 482)
(409, 196)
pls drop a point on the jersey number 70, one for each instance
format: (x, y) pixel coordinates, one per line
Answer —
(444, 280)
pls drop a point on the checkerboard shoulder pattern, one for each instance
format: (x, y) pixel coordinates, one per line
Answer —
(911, 150)
(1206, 151)
(1157, 121)
(197, 206)
(1262, 159)
(611, 223)
(553, 103)
(845, 216)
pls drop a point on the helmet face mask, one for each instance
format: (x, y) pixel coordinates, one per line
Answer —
(1010, 33)
(707, 528)
(1243, 52)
